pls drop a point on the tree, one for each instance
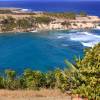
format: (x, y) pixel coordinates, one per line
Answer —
(34, 79)
(70, 15)
(1, 82)
(50, 80)
(23, 23)
(83, 14)
(86, 74)
(10, 82)
(8, 24)
(43, 19)
(67, 24)
(10, 74)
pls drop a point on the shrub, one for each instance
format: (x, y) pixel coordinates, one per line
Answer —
(86, 76)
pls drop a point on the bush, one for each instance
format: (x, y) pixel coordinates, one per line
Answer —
(83, 14)
(86, 76)
(43, 19)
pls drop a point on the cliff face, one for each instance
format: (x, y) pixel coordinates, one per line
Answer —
(58, 26)
(38, 22)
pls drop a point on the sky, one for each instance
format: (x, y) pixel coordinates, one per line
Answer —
(49, 0)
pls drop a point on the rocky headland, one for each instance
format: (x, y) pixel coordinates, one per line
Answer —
(17, 20)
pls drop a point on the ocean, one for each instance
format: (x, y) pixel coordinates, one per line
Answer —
(91, 7)
(46, 51)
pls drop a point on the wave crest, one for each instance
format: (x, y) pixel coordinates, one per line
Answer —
(86, 38)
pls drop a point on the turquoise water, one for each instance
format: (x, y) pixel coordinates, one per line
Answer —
(43, 50)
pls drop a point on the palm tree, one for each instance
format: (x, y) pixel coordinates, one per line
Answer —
(10, 74)
(10, 82)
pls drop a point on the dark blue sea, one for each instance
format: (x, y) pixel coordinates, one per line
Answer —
(91, 7)
(46, 50)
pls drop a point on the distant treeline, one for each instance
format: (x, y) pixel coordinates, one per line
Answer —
(60, 14)
(9, 23)
(5, 11)
(82, 78)
(67, 15)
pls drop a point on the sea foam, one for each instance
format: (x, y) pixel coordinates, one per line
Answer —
(86, 38)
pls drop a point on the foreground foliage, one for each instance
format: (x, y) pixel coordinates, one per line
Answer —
(86, 77)
(82, 78)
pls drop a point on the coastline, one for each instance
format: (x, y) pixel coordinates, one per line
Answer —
(15, 20)
(36, 31)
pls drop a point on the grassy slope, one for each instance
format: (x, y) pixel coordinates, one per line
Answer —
(33, 95)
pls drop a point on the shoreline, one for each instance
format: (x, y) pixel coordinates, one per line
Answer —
(36, 31)
(45, 30)
(15, 20)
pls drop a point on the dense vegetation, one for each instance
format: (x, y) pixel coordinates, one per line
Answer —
(83, 14)
(5, 11)
(43, 19)
(68, 15)
(82, 78)
(10, 23)
(86, 77)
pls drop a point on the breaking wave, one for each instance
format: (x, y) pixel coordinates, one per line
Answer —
(26, 10)
(86, 38)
